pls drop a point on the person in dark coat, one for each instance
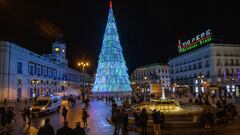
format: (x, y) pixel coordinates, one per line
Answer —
(65, 130)
(124, 116)
(23, 113)
(116, 119)
(85, 117)
(78, 130)
(3, 116)
(114, 107)
(162, 118)
(136, 118)
(156, 122)
(144, 119)
(47, 129)
(64, 113)
(28, 115)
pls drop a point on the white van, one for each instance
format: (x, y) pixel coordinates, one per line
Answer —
(46, 104)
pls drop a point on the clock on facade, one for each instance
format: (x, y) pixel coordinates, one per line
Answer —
(57, 49)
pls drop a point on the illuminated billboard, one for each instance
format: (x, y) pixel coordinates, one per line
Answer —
(196, 42)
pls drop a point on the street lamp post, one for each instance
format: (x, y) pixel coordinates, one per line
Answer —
(64, 85)
(145, 88)
(83, 64)
(35, 82)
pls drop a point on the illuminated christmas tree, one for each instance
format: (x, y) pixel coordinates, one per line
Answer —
(111, 78)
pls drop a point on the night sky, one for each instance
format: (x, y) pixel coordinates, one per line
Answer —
(148, 29)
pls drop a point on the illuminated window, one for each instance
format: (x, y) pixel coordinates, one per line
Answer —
(57, 49)
(233, 88)
(63, 50)
(228, 88)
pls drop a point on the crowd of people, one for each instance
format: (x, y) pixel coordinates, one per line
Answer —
(7, 116)
(141, 120)
(226, 112)
(223, 114)
(47, 129)
(120, 114)
(120, 118)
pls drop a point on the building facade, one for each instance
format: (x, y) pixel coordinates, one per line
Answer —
(154, 73)
(25, 74)
(212, 64)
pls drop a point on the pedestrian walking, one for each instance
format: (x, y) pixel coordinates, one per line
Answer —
(64, 113)
(114, 107)
(28, 115)
(3, 115)
(78, 130)
(23, 113)
(156, 122)
(47, 129)
(116, 119)
(106, 100)
(86, 101)
(162, 119)
(3, 120)
(85, 117)
(144, 119)
(209, 118)
(25, 102)
(10, 115)
(136, 116)
(65, 130)
(124, 122)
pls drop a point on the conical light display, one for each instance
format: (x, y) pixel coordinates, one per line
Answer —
(111, 77)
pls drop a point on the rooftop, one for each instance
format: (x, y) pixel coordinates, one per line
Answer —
(152, 65)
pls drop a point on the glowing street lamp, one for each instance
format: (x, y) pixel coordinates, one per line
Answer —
(83, 65)
(35, 82)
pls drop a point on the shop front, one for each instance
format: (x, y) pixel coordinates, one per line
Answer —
(237, 93)
(213, 90)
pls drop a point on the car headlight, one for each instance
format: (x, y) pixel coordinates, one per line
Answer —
(43, 108)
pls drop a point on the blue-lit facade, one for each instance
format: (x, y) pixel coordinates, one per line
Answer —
(25, 74)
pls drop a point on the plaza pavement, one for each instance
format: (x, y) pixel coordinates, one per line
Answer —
(98, 124)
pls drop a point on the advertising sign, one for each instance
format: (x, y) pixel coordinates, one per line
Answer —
(196, 42)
